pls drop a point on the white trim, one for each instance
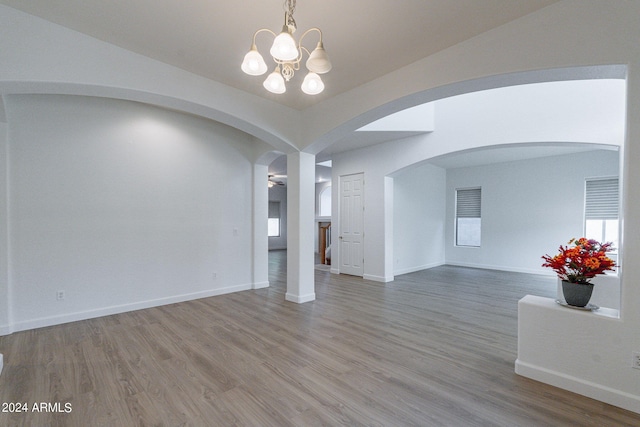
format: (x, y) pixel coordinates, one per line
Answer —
(419, 268)
(501, 268)
(375, 278)
(300, 298)
(260, 285)
(576, 385)
(90, 314)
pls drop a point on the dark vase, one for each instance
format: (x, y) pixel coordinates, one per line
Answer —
(577, 294)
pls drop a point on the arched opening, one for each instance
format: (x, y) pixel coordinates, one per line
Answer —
(573, 122)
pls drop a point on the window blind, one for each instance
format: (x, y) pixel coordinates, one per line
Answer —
(274, 209)
(601, 199)
(468, 203)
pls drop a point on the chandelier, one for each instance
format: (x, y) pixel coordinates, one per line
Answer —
(287, 55)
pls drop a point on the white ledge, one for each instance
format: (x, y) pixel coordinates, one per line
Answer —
(550, 303)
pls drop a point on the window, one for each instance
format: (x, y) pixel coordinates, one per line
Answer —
(601, 210)
(468, 217)
(273, 226)
(325, 202)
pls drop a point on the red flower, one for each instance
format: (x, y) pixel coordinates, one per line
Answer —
(581, 262)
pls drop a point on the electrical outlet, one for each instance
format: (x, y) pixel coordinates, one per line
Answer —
(59, 295)
(636, 360)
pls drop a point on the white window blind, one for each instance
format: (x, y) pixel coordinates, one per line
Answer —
(601, 199)
(468, 203)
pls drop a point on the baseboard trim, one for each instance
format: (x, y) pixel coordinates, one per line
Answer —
(599, 392)
(260, 285)
(498, 267)
(419, 268)
(374, 278)
(300, 299)
(107, 311)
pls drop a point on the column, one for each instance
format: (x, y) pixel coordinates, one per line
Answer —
(301, 171)
(260, 274)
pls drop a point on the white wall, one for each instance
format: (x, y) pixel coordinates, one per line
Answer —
(122, 206)
(529, 208)
(418, 218)
(279, 194)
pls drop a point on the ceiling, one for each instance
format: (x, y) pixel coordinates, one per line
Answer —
(365, 39)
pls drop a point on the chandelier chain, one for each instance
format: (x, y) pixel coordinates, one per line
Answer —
(289, 7)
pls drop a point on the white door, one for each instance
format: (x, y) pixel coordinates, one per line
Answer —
(351, 224)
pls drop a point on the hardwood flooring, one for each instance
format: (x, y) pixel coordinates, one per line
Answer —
(432, 348)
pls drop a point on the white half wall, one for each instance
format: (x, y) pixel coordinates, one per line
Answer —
(121, 206)
(561, 346)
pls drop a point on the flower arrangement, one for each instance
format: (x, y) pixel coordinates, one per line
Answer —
(583, 261)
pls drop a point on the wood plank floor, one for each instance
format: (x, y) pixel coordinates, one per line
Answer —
(433, 348)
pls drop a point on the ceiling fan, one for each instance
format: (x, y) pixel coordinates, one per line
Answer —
(275, 180)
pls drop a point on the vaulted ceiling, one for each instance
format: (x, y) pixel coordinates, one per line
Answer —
(365, 39)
